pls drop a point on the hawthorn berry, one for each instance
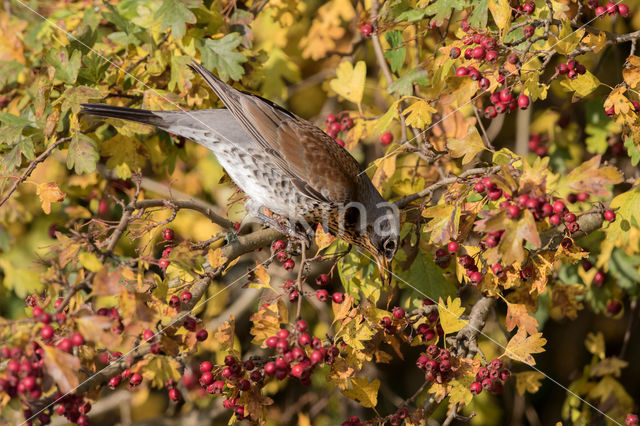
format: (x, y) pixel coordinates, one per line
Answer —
(331, 118)
(491, 56)
(631, 420)
(386, 138)
(462, 71)
(512, 58)
(453, 247)
(623, 10)
(366, 29)
(476, 388)
(205, 366)
(398, 312)
(278, 245)
(322, 295)
(454, 53)
(77, 339)
(288, 264)
(609, 216)
(484, 83)
(174, 301)
(148, 335)
(168, 234)
(135, 380)
(599, 278)
(163, 264)
(322, 280)
(523, 101)
(186, 296)
(337, 297)
(497, 269)
(554, 219)
(490, 112)
(46, 332)
(529, 7)
(201, 335)
(475, 277)
(513, 211)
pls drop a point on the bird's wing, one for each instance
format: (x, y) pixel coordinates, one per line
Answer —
(206, 127)
(317, 165)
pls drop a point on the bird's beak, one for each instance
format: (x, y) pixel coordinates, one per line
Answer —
(384, 267)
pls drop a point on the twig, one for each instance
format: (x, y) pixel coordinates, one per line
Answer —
(487, 141)
(184, 204)
(32, 167)
(629, 330)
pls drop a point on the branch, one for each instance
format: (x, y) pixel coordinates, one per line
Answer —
(589, 222)
(403, 202)
(466, 341)
(32, 167)
(184, 204)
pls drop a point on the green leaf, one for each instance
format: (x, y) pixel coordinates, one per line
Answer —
(82, 154)
(74, 96)
(426, 279)
(479, 15)
(598, 127)
(181, 74)
(13, 120)
(397, 51)
(220, 54)
(175, 14)
(627, 206)
(66, 69)
(625, 269)
(411, 15)
(442, 9)
(404, 85)
(632, 150)
(13, 159)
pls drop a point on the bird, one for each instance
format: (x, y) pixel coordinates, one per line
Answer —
(284, 164)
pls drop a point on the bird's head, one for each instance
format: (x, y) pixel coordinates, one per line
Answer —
(383, 232)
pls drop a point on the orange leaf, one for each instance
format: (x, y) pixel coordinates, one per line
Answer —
(517, 315)
(49, 193)
(521, 346)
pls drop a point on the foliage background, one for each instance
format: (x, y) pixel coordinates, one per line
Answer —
(312, 58)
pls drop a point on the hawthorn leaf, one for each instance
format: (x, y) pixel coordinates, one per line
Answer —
(627, 208)
(221, 55)
(479, 15)
(66, 68)
(82, 155)
(521, 346)
(323, 239)
(442, 9)
(632, 150)
(528, 381)
(105, 283)
(583, 85)
(62, 367)
(175, 14)
(363, 391)
(445, 219)
(397, 50)
(225, 333)
(589, 177)
(49, 193)
(383, 123)
(419, 114)
(466, 148)
(426, 278)
(403, 86)
(516, 233)
(631, 71)
(501, 12)
(349, 81)
(411, 15)
(450, 313)
(608, 366)
(567, 39)
(517, 315)
(595, 344)
(90, 261)
(262, 278)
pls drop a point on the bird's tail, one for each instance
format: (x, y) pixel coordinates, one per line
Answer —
(138, 115)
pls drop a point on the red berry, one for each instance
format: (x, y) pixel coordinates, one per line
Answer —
(474, 74)
(148, 335)
(174, 394)
(114, 382)
(77, 339)
(205, 366)
(462, 71)
(331, 118)
(454, 53)
(46, 332)
(529, 7)
(322, 295)
(168, 234)
(278, 245)
(631, 420)
(186, 296)
(475, 278)
(623, 10)
(599, 278)
(484, 83)
(366, 29)
(386, 138)
(398, 312)
(528, 31)
(201, 335)
(513, 211)
(490, 112)
(614, 307)
(497, 269)
(523, 101)
(337, 297)
(289, 264)
(340, 142)
(601, 11)
(174, 301)
(609, 216)
(479, 188)
(612, 9)
(476, 388)
(491, 56)
(478, 52)
(512, 58)
(135, 380)
(453, 247)
(322, 280)
(163, 264)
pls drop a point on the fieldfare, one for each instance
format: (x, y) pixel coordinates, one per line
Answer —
(284, 164)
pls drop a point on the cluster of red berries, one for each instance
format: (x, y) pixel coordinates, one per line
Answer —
(610, 9)
(432, 328)
(114, 315)
(491, 379)
(282, 256)
(631, 420)
(523, 9)
(436, 364)
(167, 235)
(352, 421)
(190, 324)
(323, 295)
(135, 379)
(175, 300)
(572, 69)
(24, 372)
(74, 408)
(537, 146)
(173, 392)
(336, 124)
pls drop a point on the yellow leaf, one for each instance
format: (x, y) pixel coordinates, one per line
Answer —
(215, 258)
(517, 315)
(595, 344)
(323, 239)
(225, 333)
(521, 346)
(450, 314)
(589, 177)
(631, 72)
(627, 207)
(444, 223)
(262, 278)
(350, 81)
(49, 193)
(598, 41)
(63, 367)
(501, 12)
(528, 381)
(619, 102)
(419, 114)
(326, 28)
(363, 391)
(567, 39)
(582, 85)
(383, 123)
(90, 262)
(468, 147)
(609, 366)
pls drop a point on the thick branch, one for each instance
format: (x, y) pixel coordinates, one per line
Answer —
(466, 341)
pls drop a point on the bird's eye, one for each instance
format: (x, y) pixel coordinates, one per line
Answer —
(390, 246)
